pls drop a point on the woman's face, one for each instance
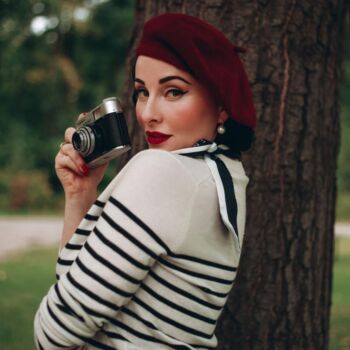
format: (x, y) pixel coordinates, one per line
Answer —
(174, 110)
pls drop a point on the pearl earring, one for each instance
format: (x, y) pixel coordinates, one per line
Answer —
(221, 129)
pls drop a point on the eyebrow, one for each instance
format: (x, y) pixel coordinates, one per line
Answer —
(173, 77)
(165, 79)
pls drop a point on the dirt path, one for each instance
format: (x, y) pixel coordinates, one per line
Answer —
(18, 234)
(342, 229)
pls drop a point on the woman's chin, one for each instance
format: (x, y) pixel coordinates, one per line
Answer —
(161, 147)
(167, 145)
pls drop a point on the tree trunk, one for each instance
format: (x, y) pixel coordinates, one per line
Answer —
(282, 294)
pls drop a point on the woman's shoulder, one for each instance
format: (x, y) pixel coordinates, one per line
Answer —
(157, 155)
(157, 188)
(172, 166)
(158, 170)
(154, 156)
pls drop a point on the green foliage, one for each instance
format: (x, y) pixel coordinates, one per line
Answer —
(57, 59)
(22, 191)
(343, 173)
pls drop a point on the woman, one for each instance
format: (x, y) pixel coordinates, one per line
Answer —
(152, 262)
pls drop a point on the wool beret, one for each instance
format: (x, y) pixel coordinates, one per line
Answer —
(195, 46)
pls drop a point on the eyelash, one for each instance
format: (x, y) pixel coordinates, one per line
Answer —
(137, 92)
(178, 92)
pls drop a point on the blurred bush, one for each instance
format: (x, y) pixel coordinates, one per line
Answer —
(57, 59)
(27, 191)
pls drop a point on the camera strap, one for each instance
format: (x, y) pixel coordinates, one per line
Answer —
(222, 177)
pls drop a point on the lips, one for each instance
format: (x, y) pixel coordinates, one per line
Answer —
(155, 137)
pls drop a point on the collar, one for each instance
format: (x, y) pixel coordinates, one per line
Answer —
(223, 181)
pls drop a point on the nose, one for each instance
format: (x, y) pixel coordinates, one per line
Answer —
(150, 111)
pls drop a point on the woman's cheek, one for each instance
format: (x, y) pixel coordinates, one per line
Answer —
(179, 116)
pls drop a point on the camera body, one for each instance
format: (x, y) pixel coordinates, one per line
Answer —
(102, 133)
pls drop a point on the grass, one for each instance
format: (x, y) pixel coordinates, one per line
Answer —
(25, 279)
(343, 208)
(340, 316)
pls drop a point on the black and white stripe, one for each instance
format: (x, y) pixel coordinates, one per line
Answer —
(119, 271)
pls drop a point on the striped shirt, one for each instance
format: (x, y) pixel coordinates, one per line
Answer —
(151, 264)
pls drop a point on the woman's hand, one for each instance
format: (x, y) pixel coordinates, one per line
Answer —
(79, 184)
(75, 176)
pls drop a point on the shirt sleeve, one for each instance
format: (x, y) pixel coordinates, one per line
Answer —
(146, 216)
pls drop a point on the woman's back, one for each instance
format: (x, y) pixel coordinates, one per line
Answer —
(159, 276)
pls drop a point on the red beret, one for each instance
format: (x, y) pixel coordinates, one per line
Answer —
(198, 48)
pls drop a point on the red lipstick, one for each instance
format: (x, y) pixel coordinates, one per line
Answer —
(155, 137)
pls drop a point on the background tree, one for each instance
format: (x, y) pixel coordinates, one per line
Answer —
(282, 295)
(60, 57)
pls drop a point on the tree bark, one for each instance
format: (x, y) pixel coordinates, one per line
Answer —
(282, 294)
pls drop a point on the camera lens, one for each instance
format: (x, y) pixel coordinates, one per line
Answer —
(76, 140)
(83, 141)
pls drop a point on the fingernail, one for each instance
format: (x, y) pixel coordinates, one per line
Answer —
(84, 169)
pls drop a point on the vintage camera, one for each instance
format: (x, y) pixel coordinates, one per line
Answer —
(102, 134)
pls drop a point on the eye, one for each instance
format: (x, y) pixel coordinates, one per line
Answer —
(140, 94)
(175, 93)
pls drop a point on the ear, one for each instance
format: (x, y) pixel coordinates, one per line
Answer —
(222, 117)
